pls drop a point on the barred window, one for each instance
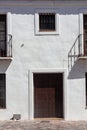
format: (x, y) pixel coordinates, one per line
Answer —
(2, 91)
(3, 35)
(46, 22)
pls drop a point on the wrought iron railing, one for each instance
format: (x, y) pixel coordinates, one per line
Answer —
(6, 47)
(75, 51)
(9, 46)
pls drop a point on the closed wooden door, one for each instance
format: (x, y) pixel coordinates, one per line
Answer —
(85, 34)
(48, 95)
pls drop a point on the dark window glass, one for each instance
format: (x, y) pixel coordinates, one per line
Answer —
(2, 91)
(2, 35)
(47, 22)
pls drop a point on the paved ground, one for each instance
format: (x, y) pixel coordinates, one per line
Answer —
(43, 125)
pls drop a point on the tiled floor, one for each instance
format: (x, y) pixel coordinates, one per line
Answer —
(43, 125)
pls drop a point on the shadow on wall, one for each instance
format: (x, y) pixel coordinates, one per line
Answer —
(78, 70)
(4, 65)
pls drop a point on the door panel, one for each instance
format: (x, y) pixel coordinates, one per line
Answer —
(48, 95)
(41, 102)
(51, 101)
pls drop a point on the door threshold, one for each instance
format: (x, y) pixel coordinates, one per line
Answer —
(48, 118)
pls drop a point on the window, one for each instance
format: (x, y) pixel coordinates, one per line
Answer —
(3, 35)
(46, 22)
(85, 34)
(2, 91)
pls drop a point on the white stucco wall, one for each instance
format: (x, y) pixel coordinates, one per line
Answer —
(42, 52)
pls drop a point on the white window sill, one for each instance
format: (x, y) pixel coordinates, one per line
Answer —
(47, 33)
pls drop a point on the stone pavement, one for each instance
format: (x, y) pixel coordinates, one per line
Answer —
(43, 125)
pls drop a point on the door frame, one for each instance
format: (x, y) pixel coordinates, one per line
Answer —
(31, 89)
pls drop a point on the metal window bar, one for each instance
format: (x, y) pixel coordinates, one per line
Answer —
(47, 21)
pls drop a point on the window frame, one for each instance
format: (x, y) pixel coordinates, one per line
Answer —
(37, 29)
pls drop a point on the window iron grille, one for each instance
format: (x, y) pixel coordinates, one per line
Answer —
(46, 22)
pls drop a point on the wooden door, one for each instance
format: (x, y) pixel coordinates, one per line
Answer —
(48, 95)
(59, 96)
(85, 34)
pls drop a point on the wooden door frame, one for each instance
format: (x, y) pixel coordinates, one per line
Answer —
(31, 89)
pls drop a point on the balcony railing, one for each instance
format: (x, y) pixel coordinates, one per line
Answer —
(9, 50)
(6, 48)
(75, 51)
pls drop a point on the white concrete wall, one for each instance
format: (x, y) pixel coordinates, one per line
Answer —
(41, 52)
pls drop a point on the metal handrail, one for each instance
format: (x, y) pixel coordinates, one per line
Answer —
(9, 53)
(78, 37)
(75, 51)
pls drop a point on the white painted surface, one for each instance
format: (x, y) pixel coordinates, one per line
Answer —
(49, 52)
